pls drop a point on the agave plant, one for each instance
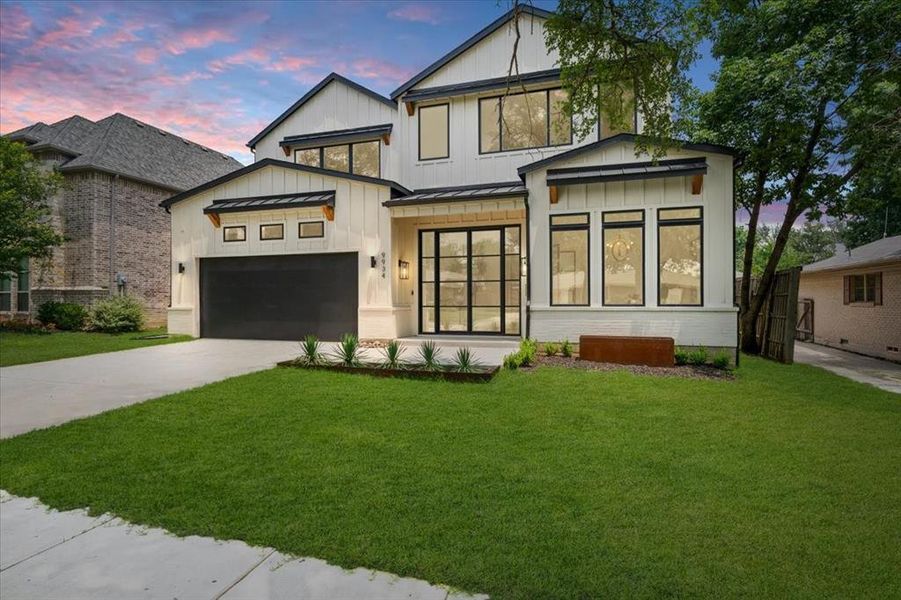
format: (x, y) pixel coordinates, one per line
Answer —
(348, 351)
(393, 352)
(428, 353)
(464, 361)
(310, 351)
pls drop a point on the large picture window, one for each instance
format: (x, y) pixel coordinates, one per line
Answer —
(624, 258)
(362, 158)
(522, 121)
(569, 259)
(679, 256)
(23, 286)
(434, 134)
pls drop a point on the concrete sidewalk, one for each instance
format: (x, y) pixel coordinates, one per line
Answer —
(69, 555)
(881, 373)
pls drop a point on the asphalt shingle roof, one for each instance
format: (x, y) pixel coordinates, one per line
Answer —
(125, 146)
(884, 250)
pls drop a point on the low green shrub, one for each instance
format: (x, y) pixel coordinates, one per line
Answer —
(681, 356)
(310, 351)
(528, 348)
(464, 362)
(66, 316)
(116, 314)
(393, 352)
(348, 351)
(428, 354)
(513, 361)
(699, 356)
(23, 326)
(566, 349)
(722, 360)
(551, 349)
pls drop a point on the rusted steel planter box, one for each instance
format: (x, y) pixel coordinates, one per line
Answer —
(477, 377)
(628, 350)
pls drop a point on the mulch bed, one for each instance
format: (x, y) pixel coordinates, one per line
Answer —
(687, 371)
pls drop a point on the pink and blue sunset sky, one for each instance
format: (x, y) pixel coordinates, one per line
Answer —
(218, 72)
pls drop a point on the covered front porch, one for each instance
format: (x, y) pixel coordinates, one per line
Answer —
(461, 260)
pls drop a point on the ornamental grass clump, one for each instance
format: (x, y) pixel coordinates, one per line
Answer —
(348, 351)
(722, 360)
(464, 362)
(393, 352)
(428, 355)
(551, 349)
(311, 354)
(566, 349)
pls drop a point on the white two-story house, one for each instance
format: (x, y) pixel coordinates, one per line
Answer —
(460, 205)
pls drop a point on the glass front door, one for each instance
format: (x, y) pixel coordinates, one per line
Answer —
(470, 280)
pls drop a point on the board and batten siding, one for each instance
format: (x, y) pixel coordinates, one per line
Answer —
(361, 225)
(712, 325)
(336, 106)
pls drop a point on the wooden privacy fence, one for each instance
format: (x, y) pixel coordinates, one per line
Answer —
(778, 319)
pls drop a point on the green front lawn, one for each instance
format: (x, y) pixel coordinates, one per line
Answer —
(23, 348)
(553, 483)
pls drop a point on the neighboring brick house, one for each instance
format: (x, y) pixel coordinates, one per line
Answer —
(117, 170)
(856, 298)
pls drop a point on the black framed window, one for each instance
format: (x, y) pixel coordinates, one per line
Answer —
(23, 286)
(234, 233)
(311, 229)
(623, 275)
(274, 231)
(523, 121)
(570, 262)
(434, 131)
(6, 295)
(680, 251)
(360, 158)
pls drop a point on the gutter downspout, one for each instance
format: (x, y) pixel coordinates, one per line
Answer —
(528, 268)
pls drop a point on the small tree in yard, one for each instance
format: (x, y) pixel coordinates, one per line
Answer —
(25, 189)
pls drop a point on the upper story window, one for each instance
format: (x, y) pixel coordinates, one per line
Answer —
(361, 158)
(523, 121)
(434, 132)
(680, 252)
(863, 288)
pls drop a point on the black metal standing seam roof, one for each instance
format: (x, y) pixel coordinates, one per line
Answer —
(678, 167)
(485, 32)
(622, 138)
(483, 85)
(492, 191)
(280, 201)
(315, 90)
(337, 136)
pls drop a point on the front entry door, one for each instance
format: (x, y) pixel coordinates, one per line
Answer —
(470, 280)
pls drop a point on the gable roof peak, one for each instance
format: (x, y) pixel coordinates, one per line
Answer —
(469, 43)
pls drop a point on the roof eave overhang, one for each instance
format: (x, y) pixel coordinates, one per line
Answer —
(401, 202)
(529, 81)
(362, 134)
(853, 266)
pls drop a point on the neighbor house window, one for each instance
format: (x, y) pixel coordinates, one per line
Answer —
(272, 232)
(521, 121)
(569, 259)
(6, 296)
(863, 288)
(235, 233)
(361, 158)
(23, 286)
(311, 229)
(624, 258)
(434, 134)
(679, 256)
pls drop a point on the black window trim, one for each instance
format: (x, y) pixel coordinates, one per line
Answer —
(625, 225)
(227, 227)
(699, 221)
(419, 132)
(350, 156)
(500, 127)
(300, 224)
(272, 239)
(502, 227)
(568, 227)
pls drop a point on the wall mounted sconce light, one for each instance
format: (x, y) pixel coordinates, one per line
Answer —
(403, 269)
(181, 268)
(373, 262)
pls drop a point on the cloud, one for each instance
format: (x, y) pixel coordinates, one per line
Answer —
(15, 24)
(417, 13)
(380, 70)
(68, 32)
(193, 39)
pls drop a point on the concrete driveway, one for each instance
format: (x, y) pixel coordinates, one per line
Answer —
(49, 393)
(881, 373)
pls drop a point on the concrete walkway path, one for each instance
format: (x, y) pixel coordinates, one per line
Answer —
(48, 393)
(69, 555)
(881, 373)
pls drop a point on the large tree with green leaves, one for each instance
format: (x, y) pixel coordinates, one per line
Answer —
(25, 189)
(807, 89)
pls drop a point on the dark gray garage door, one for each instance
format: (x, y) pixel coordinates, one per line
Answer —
(279, 297)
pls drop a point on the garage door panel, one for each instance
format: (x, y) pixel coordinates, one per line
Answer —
(279, 297)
